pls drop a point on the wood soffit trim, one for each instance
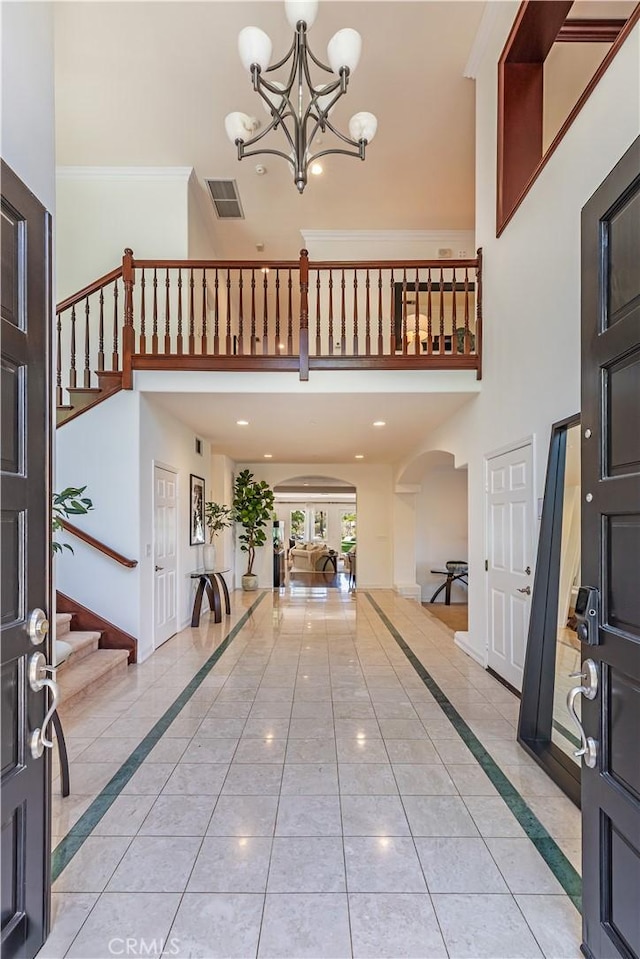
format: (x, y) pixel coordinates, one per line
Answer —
(590, 31)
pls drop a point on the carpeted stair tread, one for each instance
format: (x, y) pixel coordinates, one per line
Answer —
(82, 642)
(78, 680)
(63, 624)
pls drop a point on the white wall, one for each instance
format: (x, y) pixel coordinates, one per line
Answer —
(531, 373)
(201, 237)
(375, 520)
(100, 450)
(165, 441)
(441, 523)
(102, 210)
(28, 107)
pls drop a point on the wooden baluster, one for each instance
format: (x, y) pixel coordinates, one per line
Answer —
(204, 348)
(253, 313)
(467, 337)
(278, 343)
(154, 329)
(59, 361)
(355, 313)
(330, 312)
(265, 313)
(167, 314)
(216, 313)
(479, 312)
(86, 382)
(240, 317)
(392, 312)
(380, 335)
(318, 334)
(192, 318)
(143, 315)
(290, 317)
(429, 315)
(128, 332)
(343, 317)
(114, 355)
(229, 348)
(72, 368)
(441, 343)
(303, 329)
(367, 318)
(405, 345)
(454, 314)
(101, 333)
(417, 344)
(179, 344)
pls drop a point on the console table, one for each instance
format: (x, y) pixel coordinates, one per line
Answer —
(211, 580)
(453, 572)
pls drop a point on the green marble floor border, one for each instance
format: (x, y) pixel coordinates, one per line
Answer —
(566, 734)
(68, 847)
(548, 848)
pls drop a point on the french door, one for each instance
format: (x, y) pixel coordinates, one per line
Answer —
(25, 492)
(611, 562)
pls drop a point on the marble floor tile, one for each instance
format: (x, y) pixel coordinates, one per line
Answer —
(382, 864)
(125, 816)
(311, 751)
(438, 816)
(305, 926)
(93, 864)
(354, 750)
(471, 780)
(411, 751)
(69, 910)
(231, 864)
(118, 918)
(484, 927)
(493, 817)
(310, 779)
(556, 924)
(260, 779)
(523, 867)
(423, 779)
(367, 779)
(373, 816)
(216, 926)
(150, 779)
(394, 926)
(195, 779)
(309, 816)
(155, 864)
(210, 751)
(306, 864)
(244, 816)
(459, 865)
(181, 815)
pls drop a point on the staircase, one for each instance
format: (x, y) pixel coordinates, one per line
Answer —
(82, 398)
(87, 668)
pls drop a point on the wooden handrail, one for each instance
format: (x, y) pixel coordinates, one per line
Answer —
(88, 290)
(213, 264)
(92, 541)
(390, 264)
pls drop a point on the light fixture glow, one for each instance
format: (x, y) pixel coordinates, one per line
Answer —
(379, 423)
(242, 422)
(359, 456)
(268, 456)
(297, 105)
(316, 169)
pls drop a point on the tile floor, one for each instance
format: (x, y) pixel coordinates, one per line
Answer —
(311, 799)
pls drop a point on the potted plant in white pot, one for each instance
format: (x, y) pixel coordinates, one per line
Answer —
(217, 518)
(252, 505)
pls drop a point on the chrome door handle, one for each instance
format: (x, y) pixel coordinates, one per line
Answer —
(37, 626)
(38, 680)
(588, 689)
(526, 590)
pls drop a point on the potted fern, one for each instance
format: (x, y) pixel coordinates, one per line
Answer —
(252, 505)
(69, 502)
(217, 518)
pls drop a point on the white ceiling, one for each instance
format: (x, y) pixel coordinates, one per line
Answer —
(318, 428)
(149, 84)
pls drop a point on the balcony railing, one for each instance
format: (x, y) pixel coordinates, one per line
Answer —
(294, 316)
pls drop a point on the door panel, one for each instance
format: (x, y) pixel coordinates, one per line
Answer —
(165, 537)
(611, 558)
(510, 556)
(25, 558)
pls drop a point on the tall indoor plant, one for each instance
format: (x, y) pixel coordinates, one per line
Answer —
(217, 518)
(252, 505)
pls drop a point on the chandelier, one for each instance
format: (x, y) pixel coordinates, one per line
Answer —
(296, 106)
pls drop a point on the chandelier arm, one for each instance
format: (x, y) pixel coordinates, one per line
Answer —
(318, 63)
(277, 121)
(347, 153)
(344, 137)
(281, 63)
(278, 153)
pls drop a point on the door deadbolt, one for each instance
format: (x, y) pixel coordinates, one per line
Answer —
(37, 626)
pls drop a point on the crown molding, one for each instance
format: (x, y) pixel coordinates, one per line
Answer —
(124, 172)
(383, 236)
(481, 40)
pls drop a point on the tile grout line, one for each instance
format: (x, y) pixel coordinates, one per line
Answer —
(552, 854)
(83, 828)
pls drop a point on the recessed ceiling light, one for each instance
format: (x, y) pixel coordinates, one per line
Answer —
(317, 169)
(268, 456)
(265, 269)
(379, 423)
(242, 422)
(359, 456)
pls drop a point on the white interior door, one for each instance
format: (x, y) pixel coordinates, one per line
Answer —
(165, 537)
(509, 565)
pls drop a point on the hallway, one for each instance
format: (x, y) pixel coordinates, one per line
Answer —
(322, 775)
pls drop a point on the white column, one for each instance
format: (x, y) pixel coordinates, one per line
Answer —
(404, 541)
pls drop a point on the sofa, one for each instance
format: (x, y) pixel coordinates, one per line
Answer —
(308, 556)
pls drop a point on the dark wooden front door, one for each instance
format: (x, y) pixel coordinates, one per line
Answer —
(25, 561)
(611, 559)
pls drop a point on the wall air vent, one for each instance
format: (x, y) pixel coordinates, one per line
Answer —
(226, 199)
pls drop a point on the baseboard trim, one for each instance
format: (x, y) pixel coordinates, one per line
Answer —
(461, 639)
(409, 591)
